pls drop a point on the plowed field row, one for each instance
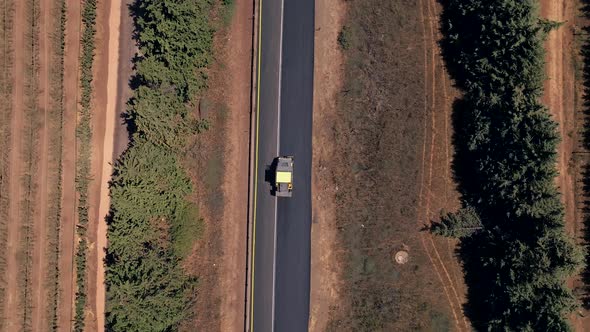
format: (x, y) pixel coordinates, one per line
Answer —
(31, 42)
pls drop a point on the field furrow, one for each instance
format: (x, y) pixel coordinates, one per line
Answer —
(12, 301)
(6, 56)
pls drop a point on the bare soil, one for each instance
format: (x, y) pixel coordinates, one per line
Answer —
(218, 162)
(40, 249)
(103, 122)
(559, 97)
(127, 51)
(107, 157)
(12, 302)
(232, 271)
(389, 174)
(69, 155)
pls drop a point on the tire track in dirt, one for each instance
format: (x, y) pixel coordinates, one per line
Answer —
(435, 36)
(12, 303)
(423, 168)
(39, 268)
(425, 200)
(114, 19)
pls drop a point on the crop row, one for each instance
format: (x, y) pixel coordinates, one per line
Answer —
(6, 58)
(84, 137)
(30, 160)
(55, 126)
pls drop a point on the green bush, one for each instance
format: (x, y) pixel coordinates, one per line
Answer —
(152, 224)
(344, 37)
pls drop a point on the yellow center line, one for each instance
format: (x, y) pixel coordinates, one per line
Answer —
(253, 248)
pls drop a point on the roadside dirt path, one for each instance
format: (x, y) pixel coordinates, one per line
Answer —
(107, 156)
(40, 250)
(12, 302)
(68, 202)
(326, 273)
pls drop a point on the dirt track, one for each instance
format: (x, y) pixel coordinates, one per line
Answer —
(110, 110)
(560, 97)
(437, 184)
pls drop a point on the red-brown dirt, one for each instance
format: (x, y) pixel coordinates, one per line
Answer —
(102, 136)
(562, 96)
(559, 97)
(40, 250)
(232, 269)
(69, 155)
(12, 302)
(114, 18)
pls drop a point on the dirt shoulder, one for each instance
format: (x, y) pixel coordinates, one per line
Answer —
(218, 163)
(232, 271)
(326, 270)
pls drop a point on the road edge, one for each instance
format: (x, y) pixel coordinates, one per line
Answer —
(251, 172)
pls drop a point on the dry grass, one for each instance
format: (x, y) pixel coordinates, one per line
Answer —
(392, 132)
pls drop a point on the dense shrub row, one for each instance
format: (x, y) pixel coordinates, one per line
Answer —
(84, 137)
(147, 289)
(516, 252)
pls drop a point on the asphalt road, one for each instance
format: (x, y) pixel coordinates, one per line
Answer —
(281, 274)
